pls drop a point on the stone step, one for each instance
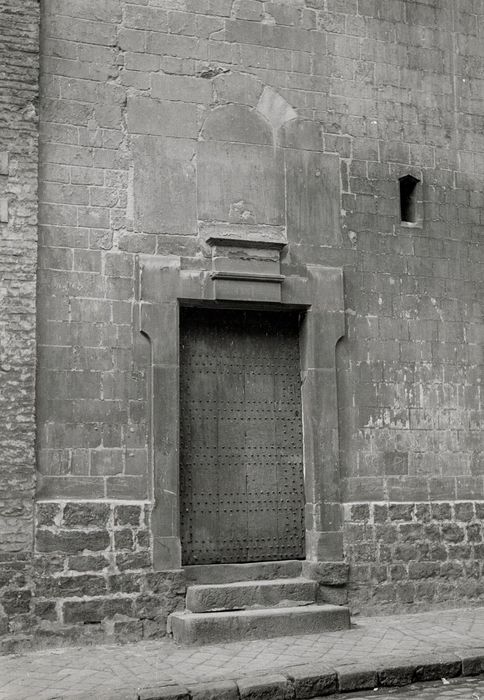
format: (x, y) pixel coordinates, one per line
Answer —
(213, 628)
(285, 592)
(230, 573)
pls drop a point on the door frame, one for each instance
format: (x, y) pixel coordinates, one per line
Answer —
(164, 286)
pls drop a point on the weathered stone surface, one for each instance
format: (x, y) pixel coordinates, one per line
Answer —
(356, 677)
(313, 215)
(222, 690)
(240, 183)
(472, 663)
(161, 118)
(83, 515)
(237, 124)
(327, 573)
(72, 542)
(231, 573)
(19, 88)
(68, 586)
(97, 609)
(423, 550)
(396, 672)
(118, 694)
(165, 692)
(311, 681)
(87, 563)
(46, 513)
(164, 185)
(264, 688)
(235, 596)
(127, 515)
(201, 628)
(435, 666)
(16, 602)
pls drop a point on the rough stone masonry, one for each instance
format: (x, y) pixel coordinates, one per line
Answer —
(160, 121)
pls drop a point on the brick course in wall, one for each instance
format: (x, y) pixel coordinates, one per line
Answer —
(384, 89)
(19, 93)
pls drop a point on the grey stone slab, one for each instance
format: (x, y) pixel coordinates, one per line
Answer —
(4, 162)
(231, 573)
(270, 687)
(245, 290)
(327, 289)
(154, 117)
(217, 690)
(240, 183)
(354, 676)
(301, 134)
(320, 333)
(312, 680)
(215, 627)
(164, 346)
(3, 210)
(164, 692)
(328, 573)
(232, 596)
(275, 108)
(242, 88)
(313, 197)
(115, 694)
(472, 661)
(164, 185)
(237, 123)
(243, 234)
(430, 667)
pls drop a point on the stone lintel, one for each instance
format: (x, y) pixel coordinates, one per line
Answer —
(236, 242)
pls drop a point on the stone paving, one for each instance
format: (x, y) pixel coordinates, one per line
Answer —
(67, 672)
(457, 689)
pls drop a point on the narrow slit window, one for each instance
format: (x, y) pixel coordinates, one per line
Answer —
(408, 199)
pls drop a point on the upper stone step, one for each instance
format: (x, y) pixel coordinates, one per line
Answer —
(216, 627)
(231, 573)
(285, 592)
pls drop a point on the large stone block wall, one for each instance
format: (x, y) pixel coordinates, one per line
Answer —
(414, 556)
(394, 88)
(90, 580)
(19, 63)
(94, 579)
(383, 89)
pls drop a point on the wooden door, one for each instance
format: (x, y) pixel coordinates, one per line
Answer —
(241, 470)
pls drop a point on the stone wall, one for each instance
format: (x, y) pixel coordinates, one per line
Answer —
(91, 579)
(94, 579)
(382, 90)
(415, 556)
(19, 55)
(411, 362)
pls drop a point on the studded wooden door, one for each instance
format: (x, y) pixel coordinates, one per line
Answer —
(241, 469)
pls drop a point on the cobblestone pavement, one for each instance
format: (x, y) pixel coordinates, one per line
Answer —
(457, 689)
(63, 673)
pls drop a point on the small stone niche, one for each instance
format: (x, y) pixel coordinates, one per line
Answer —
(410, 201)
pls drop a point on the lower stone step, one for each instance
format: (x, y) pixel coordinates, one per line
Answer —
(285, 592)
(212, 628)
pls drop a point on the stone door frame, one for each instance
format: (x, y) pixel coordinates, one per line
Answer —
(164, 286)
